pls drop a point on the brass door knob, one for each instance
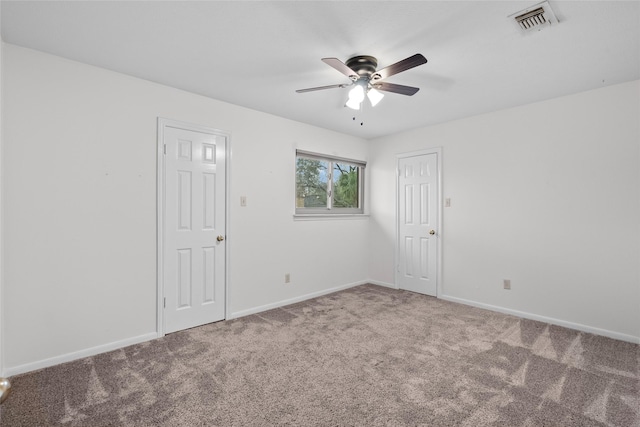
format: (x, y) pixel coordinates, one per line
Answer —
(220, 238)
(432, 232)
(5, 388)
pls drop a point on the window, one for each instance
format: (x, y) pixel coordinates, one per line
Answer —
(328, 185)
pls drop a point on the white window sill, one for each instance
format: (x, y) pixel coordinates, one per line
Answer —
(323, 217)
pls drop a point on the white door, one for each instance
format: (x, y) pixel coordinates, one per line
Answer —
(194, 228)
(418, 223)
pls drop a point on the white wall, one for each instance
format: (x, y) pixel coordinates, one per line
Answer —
(547, 195)
(80, 208)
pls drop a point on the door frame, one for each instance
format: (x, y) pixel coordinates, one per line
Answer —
(160, 184)
(438, 152)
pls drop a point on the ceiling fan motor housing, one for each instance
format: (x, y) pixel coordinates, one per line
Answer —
(364, 65)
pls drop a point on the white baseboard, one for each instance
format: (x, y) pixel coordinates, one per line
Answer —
(385, 284)
(300, 298)
(69, 357)
(531, 316)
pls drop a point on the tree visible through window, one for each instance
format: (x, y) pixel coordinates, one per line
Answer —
(311, 183)
(328, 185)
(346, 180)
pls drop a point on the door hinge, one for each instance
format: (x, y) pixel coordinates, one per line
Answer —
(165, 149)
(164, 302)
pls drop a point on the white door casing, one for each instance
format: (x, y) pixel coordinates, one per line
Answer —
(193, 237)
(418, 216)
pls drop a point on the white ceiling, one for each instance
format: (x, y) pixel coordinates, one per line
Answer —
(256, 54)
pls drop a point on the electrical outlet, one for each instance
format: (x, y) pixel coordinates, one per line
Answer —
(287, 278)
(507, 283)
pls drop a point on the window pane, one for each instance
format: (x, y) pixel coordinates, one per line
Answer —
(345, 185)
(311, 183)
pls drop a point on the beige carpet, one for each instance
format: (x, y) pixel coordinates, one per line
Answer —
(367, 356)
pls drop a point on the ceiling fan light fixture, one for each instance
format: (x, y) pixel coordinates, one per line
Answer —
(357, 93)
(354, 105)
(356, 96)
(374, 96)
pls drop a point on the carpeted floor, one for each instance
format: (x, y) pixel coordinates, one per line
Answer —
(367, 356)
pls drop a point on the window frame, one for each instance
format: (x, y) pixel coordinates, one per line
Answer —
(330, 210)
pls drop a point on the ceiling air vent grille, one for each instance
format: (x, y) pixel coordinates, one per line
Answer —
(535, 17)
(531, 19)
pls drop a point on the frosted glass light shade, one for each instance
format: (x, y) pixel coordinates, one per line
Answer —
(374, 96)
(355, 105)
(356, 94)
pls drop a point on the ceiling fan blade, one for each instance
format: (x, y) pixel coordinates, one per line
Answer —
(311, 89)
(392, 87)
(342, 67)
(398, 67)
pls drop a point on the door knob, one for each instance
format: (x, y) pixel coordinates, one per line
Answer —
(220, 238)
(432, 232)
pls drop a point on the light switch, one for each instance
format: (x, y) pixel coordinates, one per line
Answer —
(243, 201)
(447, 202)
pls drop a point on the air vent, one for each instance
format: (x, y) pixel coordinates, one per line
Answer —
(535, 17)
(531, 19)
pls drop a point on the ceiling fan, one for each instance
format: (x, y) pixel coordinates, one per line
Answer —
(367, 81)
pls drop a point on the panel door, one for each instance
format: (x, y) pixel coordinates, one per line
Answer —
(194, 228)
(417, 223)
